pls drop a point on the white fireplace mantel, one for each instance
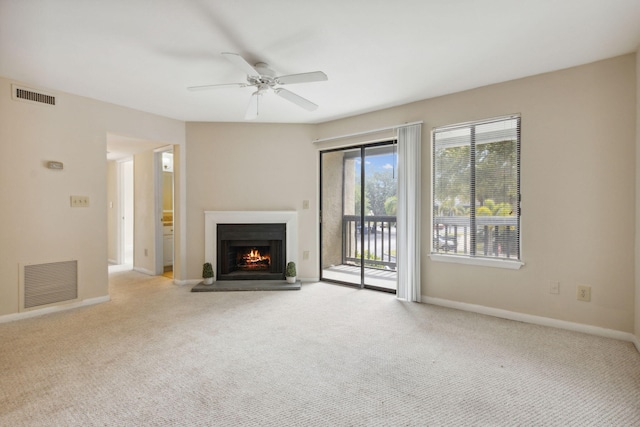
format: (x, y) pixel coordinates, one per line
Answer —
(213, 218)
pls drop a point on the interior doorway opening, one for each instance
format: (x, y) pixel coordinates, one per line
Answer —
(125, 194)
(166, 199)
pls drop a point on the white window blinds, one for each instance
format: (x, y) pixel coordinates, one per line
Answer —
(476, 189)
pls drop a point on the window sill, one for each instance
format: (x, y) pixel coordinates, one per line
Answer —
(484, 262)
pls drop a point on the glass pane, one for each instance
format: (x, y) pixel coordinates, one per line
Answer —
(496, 187)
(451, 188)
(379, 232)
(341, 201)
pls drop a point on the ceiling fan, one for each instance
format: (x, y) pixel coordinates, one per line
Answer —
(264, 78)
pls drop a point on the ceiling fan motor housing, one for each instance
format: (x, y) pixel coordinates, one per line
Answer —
(266, 79)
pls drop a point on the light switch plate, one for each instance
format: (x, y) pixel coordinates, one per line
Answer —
(79, 201)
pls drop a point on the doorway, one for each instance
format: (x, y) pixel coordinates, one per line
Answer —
(358, 199)
(125, 215)
(167, 210)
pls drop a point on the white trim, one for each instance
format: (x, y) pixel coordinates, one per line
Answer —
(53, 309)
(366, 132)
(189, 282)
(213, 218)
(535, 320)
(484, 262)
(145, 271)
(479, 122)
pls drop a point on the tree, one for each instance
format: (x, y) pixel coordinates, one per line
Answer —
(358, 197)
(495, 174)
(391, 206)
(379, 186)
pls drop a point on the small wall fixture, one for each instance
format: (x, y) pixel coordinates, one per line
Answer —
(55, 165)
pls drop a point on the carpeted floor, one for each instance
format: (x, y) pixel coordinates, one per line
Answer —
(160, 355)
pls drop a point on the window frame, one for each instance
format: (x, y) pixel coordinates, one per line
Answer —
(468, 258)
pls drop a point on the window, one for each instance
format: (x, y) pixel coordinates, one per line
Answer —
(476, 189)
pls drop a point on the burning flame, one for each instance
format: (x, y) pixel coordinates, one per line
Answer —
(254, 256)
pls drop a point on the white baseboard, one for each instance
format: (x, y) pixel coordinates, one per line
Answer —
(144, 271)
(536, 320)
(309, 279)
(53, 309)
(188, 282)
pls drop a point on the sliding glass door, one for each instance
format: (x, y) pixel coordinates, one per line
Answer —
(358, 215)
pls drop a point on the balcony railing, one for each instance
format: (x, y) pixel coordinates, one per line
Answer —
(379, 234)
(496, 236)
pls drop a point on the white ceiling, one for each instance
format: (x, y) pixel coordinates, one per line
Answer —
(377, 53)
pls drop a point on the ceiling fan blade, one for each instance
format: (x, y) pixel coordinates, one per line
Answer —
(296, 99)
(314, 76)
(254, 104)
(240, 62)
(218, 86)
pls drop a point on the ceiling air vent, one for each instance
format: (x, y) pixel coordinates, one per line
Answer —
(25, 94)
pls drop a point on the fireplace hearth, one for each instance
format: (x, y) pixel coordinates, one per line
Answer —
(251, 251)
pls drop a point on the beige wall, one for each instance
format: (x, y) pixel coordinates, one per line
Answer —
(38, 224)
(251, 167)
(578, 166)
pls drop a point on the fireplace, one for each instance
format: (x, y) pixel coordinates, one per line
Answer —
(251, 251)
(213, 218)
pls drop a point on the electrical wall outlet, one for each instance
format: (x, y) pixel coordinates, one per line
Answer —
(583, 293)
(554, 287)
(79, 201)
(305, 204)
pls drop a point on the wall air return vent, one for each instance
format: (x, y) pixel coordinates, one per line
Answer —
(50, 283)
(31, 95)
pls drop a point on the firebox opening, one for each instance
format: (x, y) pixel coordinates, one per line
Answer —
(251, 251)
(252, 258)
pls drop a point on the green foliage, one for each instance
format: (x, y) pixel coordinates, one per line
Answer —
(452, 174)
(379, 187)
(495, 176)
(503, 209)
(372, 257)
(483, 211)
(391, 206)
(449, 207)
(358, 197)
(207, 270)
(291, 269)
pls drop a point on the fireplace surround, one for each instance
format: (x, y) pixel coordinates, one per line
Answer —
(213, 218)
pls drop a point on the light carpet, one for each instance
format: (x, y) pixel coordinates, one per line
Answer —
(160, 355)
